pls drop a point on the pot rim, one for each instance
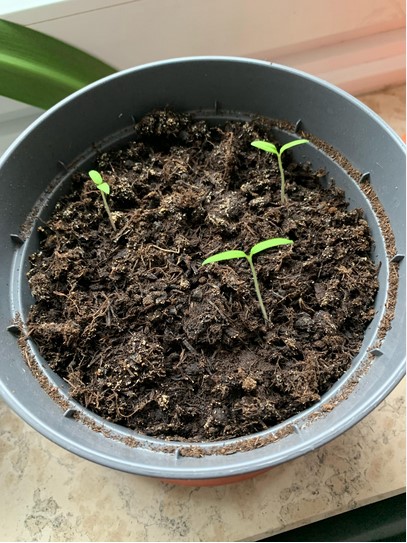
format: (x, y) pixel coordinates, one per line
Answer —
(184, 467)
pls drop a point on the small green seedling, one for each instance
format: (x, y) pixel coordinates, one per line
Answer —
(258, 248)
(104, 189)
(271, 148)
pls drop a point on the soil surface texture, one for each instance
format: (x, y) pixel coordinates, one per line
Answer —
(149, 338)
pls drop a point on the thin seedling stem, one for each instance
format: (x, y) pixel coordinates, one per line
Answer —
(257, 289)
(104, 189)
(280, 165)
(108, 211)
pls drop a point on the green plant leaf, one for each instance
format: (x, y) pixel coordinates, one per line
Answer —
(40, 70)
(104, 187)
(265, 146)
(292, 144)
(226, 255)
(96, 177)
(268, 244)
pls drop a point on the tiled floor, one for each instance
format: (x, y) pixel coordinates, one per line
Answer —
(48, 494)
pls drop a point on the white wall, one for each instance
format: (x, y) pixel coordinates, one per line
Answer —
(358, 45)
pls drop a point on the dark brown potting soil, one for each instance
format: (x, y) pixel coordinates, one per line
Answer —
(149, 338)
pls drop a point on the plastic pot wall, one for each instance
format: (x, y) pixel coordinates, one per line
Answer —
(37, 167)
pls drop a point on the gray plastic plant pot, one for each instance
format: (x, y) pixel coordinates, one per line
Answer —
(37, 168)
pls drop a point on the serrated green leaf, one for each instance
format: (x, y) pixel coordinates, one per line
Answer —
(104, 187)
(226, 255)
(268, 244)
(265, 146)
(96, 177)
(40, 70)
(292, 144)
